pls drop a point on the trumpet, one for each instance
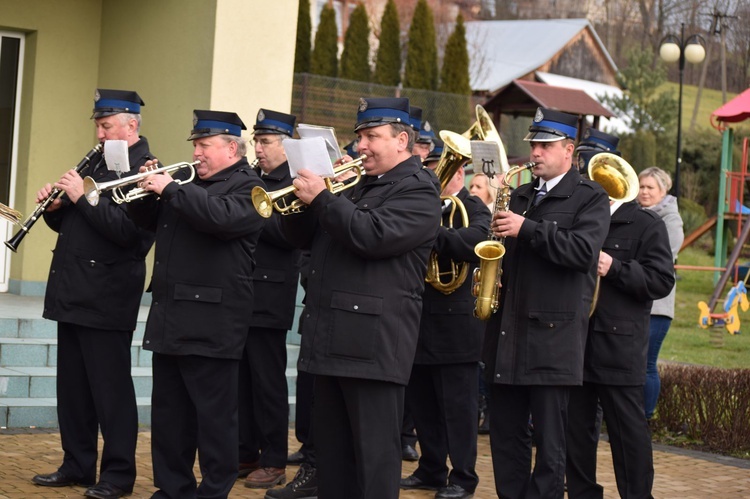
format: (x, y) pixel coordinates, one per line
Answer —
(93, 191)
(14, 216)
(286, 202)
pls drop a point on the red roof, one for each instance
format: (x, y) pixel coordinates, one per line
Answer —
(734, 111)
(568, 100)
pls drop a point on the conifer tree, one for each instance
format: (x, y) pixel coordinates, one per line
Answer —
(304, 32)
(388, 60)
(324, 60)
(421, 69)
(355, 59)
(454, 77)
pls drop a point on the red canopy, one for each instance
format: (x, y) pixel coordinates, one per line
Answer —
(734, 111)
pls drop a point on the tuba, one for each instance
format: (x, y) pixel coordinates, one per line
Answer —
(456, 153)
(484, 129)
(620, 181)
(486, 278)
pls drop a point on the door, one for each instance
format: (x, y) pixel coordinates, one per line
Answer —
(11, 62)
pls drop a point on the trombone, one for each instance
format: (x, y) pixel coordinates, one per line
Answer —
(286, 202)
(93, 191)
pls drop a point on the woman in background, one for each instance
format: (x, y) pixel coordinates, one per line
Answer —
(654, 184)
(481, 187)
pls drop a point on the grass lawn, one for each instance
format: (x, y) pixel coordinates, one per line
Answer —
(710, 101)
(686, 341)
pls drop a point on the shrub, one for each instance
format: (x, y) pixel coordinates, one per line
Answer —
(708, 405)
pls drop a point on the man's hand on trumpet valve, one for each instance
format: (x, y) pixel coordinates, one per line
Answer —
(308, 185)
(350, 173)
(72, 184)
(506, 224)
(154, 183)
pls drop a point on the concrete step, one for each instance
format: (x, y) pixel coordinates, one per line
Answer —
(42, 352)
(42, 412)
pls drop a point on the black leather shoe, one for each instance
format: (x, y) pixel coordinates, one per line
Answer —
(409, 453)
(58, 479)
(105, 490)
(295, 458)
(412, 482)
(453, 492)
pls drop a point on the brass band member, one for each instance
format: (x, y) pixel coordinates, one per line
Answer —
(93, 292)
(635, 267)
(369, 249)
(443, 390)
(202, 286)
(533, 349)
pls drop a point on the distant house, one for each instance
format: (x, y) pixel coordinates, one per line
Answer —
(559, 52)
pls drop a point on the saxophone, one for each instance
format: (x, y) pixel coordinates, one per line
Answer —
(486, 277)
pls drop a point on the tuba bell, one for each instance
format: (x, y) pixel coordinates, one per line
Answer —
(484, 129)
(620, 181)
(456, 153)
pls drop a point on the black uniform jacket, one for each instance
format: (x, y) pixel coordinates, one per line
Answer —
(369, 249)
(202, 284)
(449, 333)
(276, 273)
(538, 335)
(641, 271)
(98, 265)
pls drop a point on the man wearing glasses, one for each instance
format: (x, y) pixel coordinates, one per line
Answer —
(264, 405)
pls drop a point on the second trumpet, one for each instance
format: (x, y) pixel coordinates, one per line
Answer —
(286, 202)
(93, 191)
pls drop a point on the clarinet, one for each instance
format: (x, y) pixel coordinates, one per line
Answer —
(41, 207)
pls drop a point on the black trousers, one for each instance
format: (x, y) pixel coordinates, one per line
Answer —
(510, 440)
(303, 425)
(357, 424)
(264, 399)
(444, 402)
(194, 407)
(95, 390)
(629, 438)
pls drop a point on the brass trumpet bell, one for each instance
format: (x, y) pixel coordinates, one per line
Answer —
(93, 191)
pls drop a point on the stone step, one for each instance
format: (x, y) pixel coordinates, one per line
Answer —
(42, 412)
(40, 382)
(42, 352)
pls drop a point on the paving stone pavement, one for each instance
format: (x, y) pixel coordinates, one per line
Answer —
(679, 474)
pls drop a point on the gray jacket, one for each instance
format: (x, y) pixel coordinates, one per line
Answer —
(667, 210)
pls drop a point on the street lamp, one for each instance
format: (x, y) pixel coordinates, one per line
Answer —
(675, 49)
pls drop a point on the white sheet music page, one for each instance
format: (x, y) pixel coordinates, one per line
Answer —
(310, 153)
(485, 156)
(116, 156)
(328, 133)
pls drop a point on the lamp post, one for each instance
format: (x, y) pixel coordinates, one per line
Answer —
(673, 49)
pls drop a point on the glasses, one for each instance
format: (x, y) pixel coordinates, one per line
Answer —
(264, 142)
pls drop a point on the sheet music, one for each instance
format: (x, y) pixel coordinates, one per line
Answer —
(310, 153)
(485, 156)
(116, 155)
(328, 133)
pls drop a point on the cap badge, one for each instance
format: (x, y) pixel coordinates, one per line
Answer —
(195, 119)
(261, 115)
(587, 133)
(97, 96)
(427, 127)
(362, 105)
(539, 116)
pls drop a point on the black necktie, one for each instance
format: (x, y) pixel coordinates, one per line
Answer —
(540, 194)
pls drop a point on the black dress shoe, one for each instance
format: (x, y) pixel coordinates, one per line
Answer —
(412, 482)
(409, 453)
(295, 458)
(58, 479)
(453, 492)
(105, 490)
